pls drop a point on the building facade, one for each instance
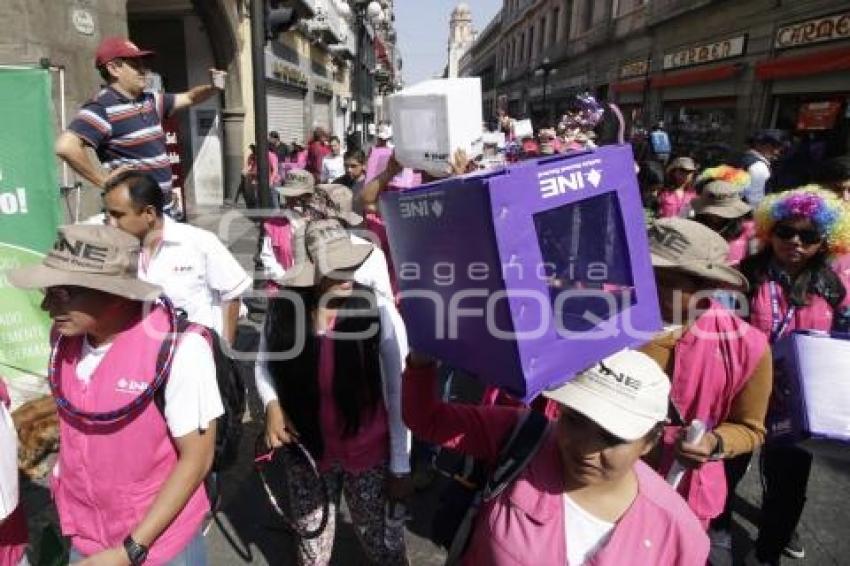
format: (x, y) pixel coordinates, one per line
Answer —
(713, 70)
(310, 71)
(206, 143)
(461, 37)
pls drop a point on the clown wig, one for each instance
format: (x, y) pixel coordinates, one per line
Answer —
(826, 212)
(738, 178)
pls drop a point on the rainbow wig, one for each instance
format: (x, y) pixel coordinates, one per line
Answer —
(738, 178)
(829, 215)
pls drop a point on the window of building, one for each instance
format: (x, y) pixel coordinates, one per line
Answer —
(568, 21)
(529, 51)
(544, 29)
(587, 14)
(553, 33)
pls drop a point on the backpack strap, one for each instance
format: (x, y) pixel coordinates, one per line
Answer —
(525, 439)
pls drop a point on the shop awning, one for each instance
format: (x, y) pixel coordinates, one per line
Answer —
(683, 78)
(636, 85)
(826, 61)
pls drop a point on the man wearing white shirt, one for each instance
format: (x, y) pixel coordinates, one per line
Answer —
(765, 147)
(194, 269)
(333, 165)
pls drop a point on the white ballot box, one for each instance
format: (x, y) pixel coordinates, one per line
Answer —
(433, 119)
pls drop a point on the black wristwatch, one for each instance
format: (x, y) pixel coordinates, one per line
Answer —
(137, 553)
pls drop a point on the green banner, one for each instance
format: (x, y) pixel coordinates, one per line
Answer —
(29, 215)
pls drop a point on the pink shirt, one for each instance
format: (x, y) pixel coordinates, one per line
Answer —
(525, 524)
(354, 454)
(670, 204)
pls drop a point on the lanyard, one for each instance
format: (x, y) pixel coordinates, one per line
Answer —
(778, 326)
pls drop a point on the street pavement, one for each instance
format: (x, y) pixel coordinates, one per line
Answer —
(250, 534)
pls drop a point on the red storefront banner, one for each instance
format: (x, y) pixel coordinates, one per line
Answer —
(683, 78)
(818, 115)
(636, 85)
(824, 61)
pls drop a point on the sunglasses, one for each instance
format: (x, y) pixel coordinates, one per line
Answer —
(809, 236)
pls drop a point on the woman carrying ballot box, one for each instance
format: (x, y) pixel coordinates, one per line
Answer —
(720, 367)
(793, 287)
(584, 496)
(13, 524)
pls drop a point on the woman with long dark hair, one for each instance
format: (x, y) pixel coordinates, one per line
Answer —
(794, 287)
(335, 385)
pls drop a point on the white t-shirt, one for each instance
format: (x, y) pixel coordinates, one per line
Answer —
(333, 167)
(585, 533)
(195, 271)
(192, 399)
(8, 464)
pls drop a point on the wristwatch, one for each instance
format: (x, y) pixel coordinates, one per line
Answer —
(137, 553)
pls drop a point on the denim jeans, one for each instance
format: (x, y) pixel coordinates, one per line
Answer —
(195, 553)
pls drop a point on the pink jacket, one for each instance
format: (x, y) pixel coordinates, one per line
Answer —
(525, 525)
(13, 532)
(817, 315)
(713, 361)
(107, 476)
(739, 248)
(279, 231)
(670, 204)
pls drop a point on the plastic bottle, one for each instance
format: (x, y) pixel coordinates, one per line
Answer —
(693, 435)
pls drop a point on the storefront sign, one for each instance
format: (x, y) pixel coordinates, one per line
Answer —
(635, 69)
(571, 82)
(818, 30)
(818, 115)
(709, 53)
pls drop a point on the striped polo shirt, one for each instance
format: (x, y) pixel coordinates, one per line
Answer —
(128, 132)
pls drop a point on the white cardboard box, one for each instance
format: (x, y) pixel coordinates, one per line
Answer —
(432, 119)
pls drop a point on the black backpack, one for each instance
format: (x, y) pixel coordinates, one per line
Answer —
(231, 387)
(463, 497)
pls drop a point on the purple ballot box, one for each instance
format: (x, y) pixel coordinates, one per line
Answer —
(811, 392)
(525, 275)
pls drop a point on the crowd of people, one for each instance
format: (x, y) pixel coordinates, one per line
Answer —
(141, 304)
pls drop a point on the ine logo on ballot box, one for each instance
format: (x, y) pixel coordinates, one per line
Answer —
(526, 275)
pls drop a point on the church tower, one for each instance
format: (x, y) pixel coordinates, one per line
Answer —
(461, 37)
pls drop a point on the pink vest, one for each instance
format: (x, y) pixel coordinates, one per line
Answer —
(279, 231)
(739, 248)
(670, 204)
(370, 447)
(108, 476)
(13, 532)
(713, 361)
(525, 525)
(817, 315)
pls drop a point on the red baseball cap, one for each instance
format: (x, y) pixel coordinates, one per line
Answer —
(114, 47)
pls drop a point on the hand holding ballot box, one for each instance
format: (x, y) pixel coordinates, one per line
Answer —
(811, 389)
(524, 276)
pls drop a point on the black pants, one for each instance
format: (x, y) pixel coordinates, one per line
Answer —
(736, 468)
(786, 476)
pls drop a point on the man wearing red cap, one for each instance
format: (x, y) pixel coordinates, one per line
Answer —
(123, 123)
